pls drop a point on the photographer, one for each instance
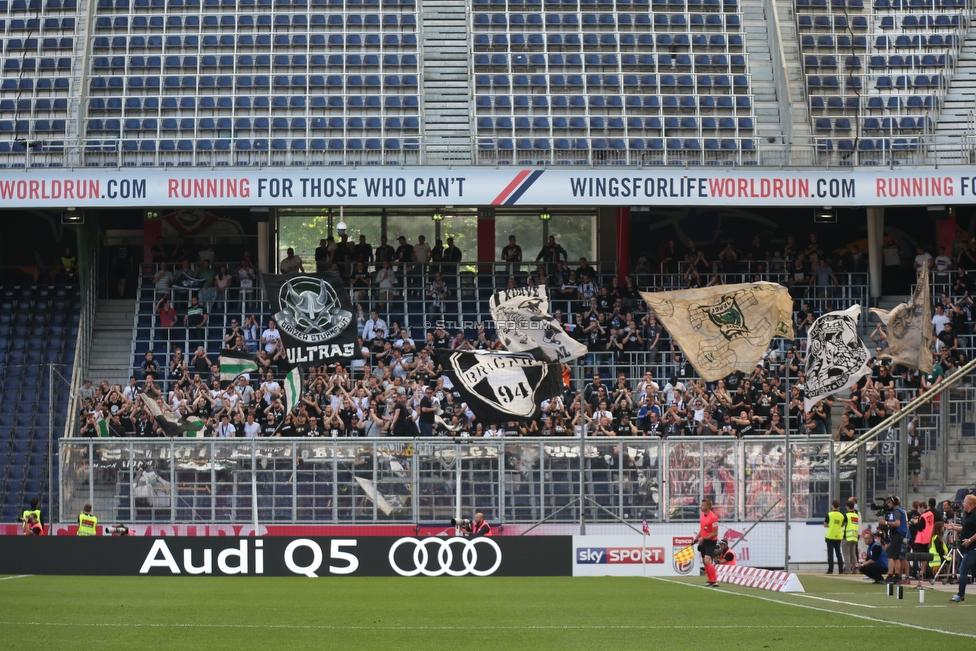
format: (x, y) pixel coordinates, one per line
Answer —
(896, 520)
(32, 527)
(965, 542)
(478, 527)
(36, 511)
(876, 563)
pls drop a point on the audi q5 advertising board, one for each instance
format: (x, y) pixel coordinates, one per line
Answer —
(280, 556)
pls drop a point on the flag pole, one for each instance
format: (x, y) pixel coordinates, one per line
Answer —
(789, 473)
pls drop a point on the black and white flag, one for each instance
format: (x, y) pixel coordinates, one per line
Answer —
(187, 282)
(501, 387)
(836, 355)
(314, 315)
(523, 322)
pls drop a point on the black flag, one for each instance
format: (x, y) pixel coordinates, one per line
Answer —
(314, 315)
(500, 387)
(187, 282)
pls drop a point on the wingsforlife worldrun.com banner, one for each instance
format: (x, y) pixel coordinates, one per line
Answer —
(475, 186)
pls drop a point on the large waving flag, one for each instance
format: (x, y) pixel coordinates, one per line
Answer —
(836, 355)
(725, 328)
(909, 327)
(523, 322)
(171, 423)
(234, 363)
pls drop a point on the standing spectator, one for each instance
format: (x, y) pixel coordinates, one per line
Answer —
(822, 277)
(246, 278)
(922, 259)
(360, 282)
(123, 266)
(834, 523)
(158, 251)
(404, 253)
(222, 281)
(422, 252)
(385, 280)
(363, 252)
(552, 253)
(166, 312)
(163, 280)
(452, 259)
(373, 325)
(251, 341)
(291, 263)
(942, 262)
(512, 254)
(69, 264)
(384, 252)
(195, 321)
(149, 366)
(270, 337)
(322, 256)
(438, 292)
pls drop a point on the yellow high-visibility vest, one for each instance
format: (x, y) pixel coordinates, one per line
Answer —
(835, 524)
(87, 525)
(851, 532)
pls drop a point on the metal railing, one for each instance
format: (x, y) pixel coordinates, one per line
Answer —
(391, 480)
(876, 463)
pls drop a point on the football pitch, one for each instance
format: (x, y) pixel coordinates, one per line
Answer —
(53, 612)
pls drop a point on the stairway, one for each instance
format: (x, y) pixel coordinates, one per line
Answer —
(953, 121)
(767, 108)
(111, 347)
(801, 153)
(447, 83)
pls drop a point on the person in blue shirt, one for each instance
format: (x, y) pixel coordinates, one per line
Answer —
(876, 560)
(897, 522)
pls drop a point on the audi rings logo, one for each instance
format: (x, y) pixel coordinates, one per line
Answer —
(442, 552)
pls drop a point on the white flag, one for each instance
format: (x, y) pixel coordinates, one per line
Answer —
(909, 328)
(836, 355)
(725, 328)
(523, 322)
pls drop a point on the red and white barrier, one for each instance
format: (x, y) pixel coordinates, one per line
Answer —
(753, 577)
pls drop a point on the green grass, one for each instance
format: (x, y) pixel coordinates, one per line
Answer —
(50, 612)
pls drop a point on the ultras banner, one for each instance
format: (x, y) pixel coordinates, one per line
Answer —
(287, 556)
(523, 322)
(836, 355)
(431, 186)
(314, 316)
(501, 387)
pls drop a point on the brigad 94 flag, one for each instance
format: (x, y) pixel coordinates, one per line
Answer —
(314, 317)
(523, 322)
(501, 387)
(836, 355)
(725, 328)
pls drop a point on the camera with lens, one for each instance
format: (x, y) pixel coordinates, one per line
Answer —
(117, 530)
(461, 522)
(880, 507)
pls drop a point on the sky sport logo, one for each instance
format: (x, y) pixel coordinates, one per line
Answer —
(618, 555)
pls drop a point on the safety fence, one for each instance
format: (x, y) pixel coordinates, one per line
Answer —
(401, 481)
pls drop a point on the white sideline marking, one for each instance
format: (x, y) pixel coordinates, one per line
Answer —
(836, 601)
(420, 628)
(817, 608)
(19, 576)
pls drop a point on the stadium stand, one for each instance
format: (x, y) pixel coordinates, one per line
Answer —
(38, 327)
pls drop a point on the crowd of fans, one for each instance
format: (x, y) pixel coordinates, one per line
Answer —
(637, 380)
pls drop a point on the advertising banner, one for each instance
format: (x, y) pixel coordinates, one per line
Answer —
(652, 555)
(406, 556)
(487, 186)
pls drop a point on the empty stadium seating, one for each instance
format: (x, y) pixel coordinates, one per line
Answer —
(875, 73)
(38, 327)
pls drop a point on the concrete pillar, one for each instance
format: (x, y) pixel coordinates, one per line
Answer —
(263, 246)
(875, 245)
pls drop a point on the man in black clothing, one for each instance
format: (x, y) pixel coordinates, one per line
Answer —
(427, 412)
(966, 541)
(384, 252)
(512, 254)
(364, 252)
(322, 256)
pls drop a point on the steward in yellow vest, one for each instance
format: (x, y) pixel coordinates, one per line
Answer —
(87, 523)
(32, 510)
